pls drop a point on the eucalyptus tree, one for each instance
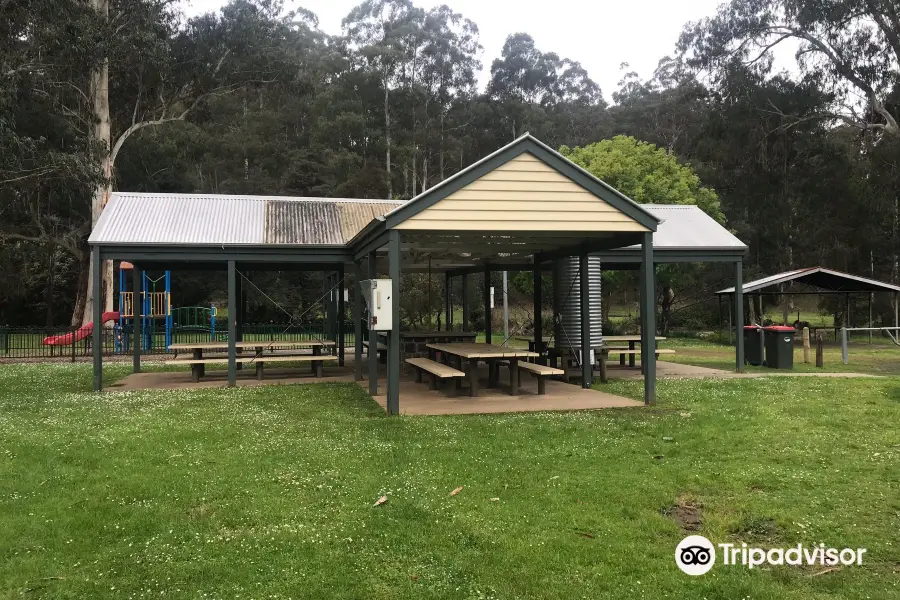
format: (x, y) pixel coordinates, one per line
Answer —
(537, 88)
(48, 164)
(380, 30)
(449, 59)
(851, 47)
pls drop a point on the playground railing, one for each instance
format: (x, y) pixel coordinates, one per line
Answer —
(28, 342)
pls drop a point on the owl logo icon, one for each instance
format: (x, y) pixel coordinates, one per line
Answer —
(695, 555)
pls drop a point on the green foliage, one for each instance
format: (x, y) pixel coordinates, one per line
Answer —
(645, 173)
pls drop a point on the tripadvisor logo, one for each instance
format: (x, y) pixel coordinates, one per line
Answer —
(696, 555)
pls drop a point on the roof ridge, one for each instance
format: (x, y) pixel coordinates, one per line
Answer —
(259, 198)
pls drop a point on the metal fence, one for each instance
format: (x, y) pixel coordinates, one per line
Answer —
(57, 342)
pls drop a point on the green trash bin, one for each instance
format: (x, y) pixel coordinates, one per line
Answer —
(779, 346)
(753, 345)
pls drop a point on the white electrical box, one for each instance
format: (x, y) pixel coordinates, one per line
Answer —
(378, 294)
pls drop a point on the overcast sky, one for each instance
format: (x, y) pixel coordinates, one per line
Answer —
(600, 34)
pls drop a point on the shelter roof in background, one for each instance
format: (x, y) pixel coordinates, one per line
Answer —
(233, 220)
(687, 227)
(820, 277)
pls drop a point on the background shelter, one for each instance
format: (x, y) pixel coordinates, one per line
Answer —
(521, 207)
(824, 281)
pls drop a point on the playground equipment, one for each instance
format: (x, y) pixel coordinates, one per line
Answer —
(79, 334)
(156, 305)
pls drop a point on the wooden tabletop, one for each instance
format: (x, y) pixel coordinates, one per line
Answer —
(257, 344)
(609, 338)
(473, 350)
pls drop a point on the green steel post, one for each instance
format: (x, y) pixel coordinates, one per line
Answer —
(357, 322)
(373, 336)
(232, 324)
(97, 337)
(538, 322)
(136, 334)
(341, 314)
(448, 310)
(739, 313)
(648, 315)
(393, 381)
(465, 302)
(486, 297)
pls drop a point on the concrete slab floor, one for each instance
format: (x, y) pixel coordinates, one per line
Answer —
(415, 398)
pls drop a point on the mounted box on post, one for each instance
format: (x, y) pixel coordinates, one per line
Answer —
(378, 294)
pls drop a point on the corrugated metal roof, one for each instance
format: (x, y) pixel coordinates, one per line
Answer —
(687, 227)
(209, 219)
(827, 279)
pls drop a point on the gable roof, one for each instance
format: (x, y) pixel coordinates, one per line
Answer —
(687, 227)
(214, 220)
(820, 277)
(523, 144)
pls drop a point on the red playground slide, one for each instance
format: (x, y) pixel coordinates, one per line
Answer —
(80, 333)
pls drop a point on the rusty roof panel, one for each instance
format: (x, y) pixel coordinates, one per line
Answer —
(209, 219)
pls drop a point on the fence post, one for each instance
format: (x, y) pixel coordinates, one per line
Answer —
(806, 345)
(820, 349)
(73, 343)
(844, 352)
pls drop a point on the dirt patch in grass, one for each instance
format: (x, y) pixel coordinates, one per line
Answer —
(687, 514)
(758, 529)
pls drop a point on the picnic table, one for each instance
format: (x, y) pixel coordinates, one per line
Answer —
(530, 340)
(263, 351)
(632, 340)
(491, 354)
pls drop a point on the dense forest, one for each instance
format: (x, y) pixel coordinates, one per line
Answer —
(97, 95)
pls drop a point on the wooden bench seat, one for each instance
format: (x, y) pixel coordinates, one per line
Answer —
(541, 373)
(436, 371)
(637, 351)
(197, 363)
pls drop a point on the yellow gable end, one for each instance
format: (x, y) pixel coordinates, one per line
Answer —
(524, 194)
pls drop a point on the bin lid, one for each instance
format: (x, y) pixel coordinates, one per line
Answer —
(752, 327)
(780, 328)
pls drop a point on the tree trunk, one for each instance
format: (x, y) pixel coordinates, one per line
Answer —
(99, 91)
(51, 285)
(668, 295)
(387, 139)
(81, 287)
(424, 172)
(415, 171)
(244, 145)
(441, 147)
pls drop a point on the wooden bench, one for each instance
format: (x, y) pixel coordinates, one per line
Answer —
(605, 352)
(541, 373)
(436, 371)
(196, 363)
(380, 348)
(634, 352)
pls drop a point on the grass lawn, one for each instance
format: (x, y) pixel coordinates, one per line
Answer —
(877, 358)
(269, 492)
